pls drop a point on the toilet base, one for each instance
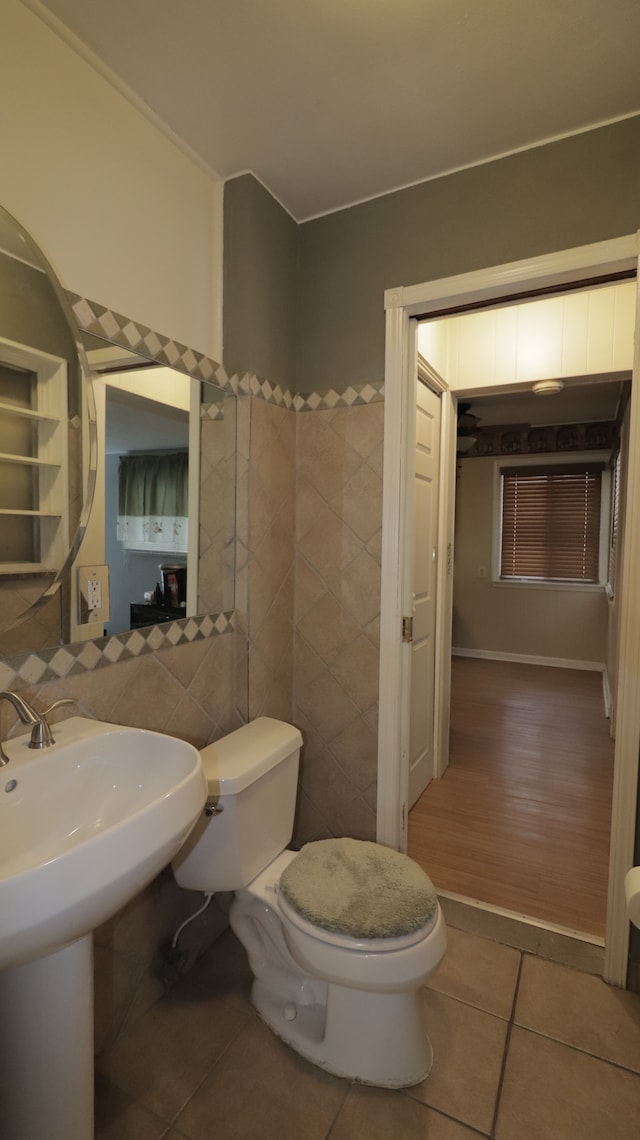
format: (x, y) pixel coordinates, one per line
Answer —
(374, 1038)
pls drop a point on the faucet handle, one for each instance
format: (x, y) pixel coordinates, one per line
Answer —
(55, 705)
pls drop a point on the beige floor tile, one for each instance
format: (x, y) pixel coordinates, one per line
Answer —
(261, 1090)
(553, 1092)
(478, 971)
(468, 1046)
(377, 1114)
(580, 1010)
(165, 1055)
(225, 973)
(118, 1117)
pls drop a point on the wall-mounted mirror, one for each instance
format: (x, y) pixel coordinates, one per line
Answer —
(149, 515)
(166, 412)
(47, 440)
(164, 514)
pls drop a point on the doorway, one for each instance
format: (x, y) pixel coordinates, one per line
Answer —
(531, 760)
(568, 267)
(521, 820)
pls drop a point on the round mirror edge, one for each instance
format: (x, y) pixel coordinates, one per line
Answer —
(87, 413)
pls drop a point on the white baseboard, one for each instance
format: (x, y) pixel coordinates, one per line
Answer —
(528, 659)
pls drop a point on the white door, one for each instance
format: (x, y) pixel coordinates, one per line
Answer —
(423, 590)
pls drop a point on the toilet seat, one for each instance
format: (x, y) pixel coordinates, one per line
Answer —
(353, 892)
(372, 945)
(382, 965)
(402, 967)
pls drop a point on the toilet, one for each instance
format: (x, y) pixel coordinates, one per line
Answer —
(340, 936)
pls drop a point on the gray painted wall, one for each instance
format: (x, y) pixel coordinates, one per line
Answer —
(304, 304)
(260, 258)
(569, 193)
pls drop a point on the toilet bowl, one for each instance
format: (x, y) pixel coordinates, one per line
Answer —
(340, 937)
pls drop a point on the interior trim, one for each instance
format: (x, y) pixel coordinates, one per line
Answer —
(401, 304)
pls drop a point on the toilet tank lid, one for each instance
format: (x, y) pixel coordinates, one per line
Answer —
(235, 761)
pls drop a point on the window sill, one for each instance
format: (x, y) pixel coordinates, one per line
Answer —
(529, 584)
(154, 548)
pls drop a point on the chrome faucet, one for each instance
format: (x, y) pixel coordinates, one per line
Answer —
(25, 712)
(41, 735)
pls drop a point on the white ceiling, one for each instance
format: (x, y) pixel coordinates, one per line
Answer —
(135, 423)
(329, 102)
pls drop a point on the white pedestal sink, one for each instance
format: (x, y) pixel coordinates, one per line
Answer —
(84, 826)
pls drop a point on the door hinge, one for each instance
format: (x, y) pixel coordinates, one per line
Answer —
(407, 629)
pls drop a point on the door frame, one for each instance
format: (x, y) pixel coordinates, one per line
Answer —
(401, 304)
(428, 378)
(444, 567)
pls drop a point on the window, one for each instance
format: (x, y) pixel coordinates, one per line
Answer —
(153, 501)
(551, 523)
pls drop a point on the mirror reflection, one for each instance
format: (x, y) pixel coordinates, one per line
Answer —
(164, 517)
(46, 443)
(146, 504)
(140, 557)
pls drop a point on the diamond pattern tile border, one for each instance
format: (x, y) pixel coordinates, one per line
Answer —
(95, 318)
(83, 656)
(51, 664)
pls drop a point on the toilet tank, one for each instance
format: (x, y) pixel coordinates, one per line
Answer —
(252, 776)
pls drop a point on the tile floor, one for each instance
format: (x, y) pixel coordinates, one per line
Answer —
(525, 1049)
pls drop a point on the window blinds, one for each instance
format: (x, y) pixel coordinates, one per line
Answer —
(551, 522)
(614, 535)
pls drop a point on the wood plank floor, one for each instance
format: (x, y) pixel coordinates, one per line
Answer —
(522, 817)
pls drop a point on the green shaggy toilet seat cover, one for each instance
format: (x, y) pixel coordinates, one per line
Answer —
(357, 888)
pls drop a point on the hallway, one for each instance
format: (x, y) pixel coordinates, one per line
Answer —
(521, 819)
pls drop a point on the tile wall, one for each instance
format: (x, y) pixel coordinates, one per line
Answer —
(308, 597)
(216, 536)
(337, 610)
(268, 540)
(301, 645)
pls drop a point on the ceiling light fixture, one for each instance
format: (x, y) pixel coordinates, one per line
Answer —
(547, 387)
(464, 443)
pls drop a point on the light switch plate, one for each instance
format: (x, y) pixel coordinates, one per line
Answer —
(93, 594)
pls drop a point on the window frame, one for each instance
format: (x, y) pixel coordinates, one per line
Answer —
(574, 458)
(615, 511)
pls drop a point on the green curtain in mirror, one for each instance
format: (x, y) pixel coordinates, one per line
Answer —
(153, 501)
